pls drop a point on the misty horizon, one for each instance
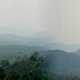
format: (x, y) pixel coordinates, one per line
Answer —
(39, 39)
(54, 21)
(13, 39)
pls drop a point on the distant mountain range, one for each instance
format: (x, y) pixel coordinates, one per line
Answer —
(13, 39)
(59, 61)
(62, 62)
(7, 51)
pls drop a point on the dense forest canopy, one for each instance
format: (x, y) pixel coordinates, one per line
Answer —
(27, 68)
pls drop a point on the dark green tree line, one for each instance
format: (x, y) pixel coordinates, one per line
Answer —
(29, 68)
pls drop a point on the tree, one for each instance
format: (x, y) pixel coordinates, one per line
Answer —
(12, 76)
(2, 73)
(29, 68)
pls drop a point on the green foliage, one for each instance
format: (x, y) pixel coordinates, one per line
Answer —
(29, 68)
(2, 73)
(4, 64)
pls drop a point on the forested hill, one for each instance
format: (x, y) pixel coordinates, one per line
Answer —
(62, 62)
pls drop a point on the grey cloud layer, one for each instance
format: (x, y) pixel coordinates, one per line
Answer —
(55, 18)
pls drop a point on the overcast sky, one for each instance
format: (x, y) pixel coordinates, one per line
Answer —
(58, 20)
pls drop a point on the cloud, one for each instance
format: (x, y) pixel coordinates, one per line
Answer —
(58, 19)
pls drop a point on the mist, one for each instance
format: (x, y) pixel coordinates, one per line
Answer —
(46, 22)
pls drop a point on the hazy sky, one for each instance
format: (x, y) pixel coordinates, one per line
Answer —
(58, 20)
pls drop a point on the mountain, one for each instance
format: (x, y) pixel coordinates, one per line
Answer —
(12, 39)
(77, 51)
(59, 61)
(62, 62)
(18, 50)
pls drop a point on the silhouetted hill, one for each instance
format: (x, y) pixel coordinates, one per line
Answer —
(62, 62)
(9, 51)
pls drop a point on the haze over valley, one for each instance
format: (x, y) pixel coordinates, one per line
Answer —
(50, 28)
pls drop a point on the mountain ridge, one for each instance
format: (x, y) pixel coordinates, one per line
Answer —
(62, 62)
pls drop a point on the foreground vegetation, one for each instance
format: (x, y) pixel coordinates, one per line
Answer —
(34, 67)
(27, 68)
